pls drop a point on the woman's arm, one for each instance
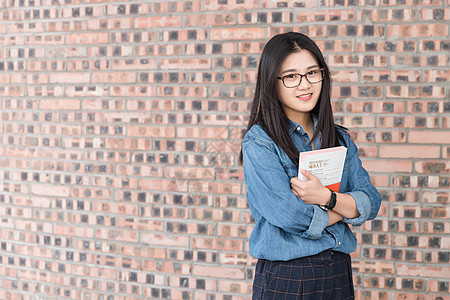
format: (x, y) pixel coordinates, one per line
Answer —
(313, 192)
(360, 201)
(334, 217)
(269, 193)
(358, 185)
(345, 206)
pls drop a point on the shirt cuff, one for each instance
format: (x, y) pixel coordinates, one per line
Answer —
(318, 223)
(362, 205)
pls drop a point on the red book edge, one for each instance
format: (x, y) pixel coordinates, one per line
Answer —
(334, 187)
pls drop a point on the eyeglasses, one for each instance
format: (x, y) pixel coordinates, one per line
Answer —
(294, 80)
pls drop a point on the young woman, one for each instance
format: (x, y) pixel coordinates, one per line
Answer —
(301, 237)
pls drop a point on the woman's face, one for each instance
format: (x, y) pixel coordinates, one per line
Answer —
(299, 101)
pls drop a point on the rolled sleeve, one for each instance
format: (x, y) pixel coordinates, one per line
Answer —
(358, 185)
(363, 205)
(319, 221)
(269, 194)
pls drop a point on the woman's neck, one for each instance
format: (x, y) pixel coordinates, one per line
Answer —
(305, 120)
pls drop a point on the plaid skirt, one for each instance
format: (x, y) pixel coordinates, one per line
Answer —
(327, 275)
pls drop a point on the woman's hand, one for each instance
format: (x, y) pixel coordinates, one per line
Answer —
(311, 191)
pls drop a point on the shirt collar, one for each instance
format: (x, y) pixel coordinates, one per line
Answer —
(294, 126)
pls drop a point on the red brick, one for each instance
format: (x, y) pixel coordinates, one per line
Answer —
(200, 270)
(69, 78)
(410, 151)
(153, 131)
(434, 137)
(384, 166)
(237, 34)
(158, 21)
(19, 27)
(212, 5)
(422, 30)
(50, 190)
(189, 173)
(87, 38)
(165, 240)
(180, 64)
(429, 272)
(194, 132)
(437, 167)
(438, 285)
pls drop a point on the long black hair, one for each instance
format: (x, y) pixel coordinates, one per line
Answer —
(267, 109)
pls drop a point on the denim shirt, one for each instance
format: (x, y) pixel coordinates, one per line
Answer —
(285, 227)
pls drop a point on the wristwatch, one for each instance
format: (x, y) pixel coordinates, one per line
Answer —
(332, 203)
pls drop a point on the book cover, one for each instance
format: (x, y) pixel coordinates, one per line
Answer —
(326, 164)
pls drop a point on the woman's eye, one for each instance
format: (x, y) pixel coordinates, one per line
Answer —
(290, 76)
(313, 72)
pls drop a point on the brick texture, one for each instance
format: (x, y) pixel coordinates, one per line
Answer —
(120, 128)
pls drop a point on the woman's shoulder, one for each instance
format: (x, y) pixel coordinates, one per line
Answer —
(343, 132)
(257, 135)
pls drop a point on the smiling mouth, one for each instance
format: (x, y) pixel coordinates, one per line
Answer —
(305, 96)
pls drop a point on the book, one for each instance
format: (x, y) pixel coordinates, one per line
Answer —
(326, 164)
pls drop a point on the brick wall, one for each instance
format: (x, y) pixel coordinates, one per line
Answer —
(120, 128)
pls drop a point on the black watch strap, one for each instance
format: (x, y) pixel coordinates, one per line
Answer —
(332, 203)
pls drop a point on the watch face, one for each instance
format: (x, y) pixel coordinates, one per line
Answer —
(323, 207)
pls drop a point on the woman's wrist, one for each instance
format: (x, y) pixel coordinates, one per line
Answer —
(333, 217)
(326, 197)
(346, 206)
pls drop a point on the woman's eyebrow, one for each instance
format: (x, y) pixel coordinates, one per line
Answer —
(296, 70)
(288, 71)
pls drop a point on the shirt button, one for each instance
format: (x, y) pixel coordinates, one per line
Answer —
(298, 128)
(339, 243)
(305, 140)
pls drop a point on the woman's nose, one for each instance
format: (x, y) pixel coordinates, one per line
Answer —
(304, 83)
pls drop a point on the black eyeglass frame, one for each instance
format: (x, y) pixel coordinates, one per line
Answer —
(301, 78)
